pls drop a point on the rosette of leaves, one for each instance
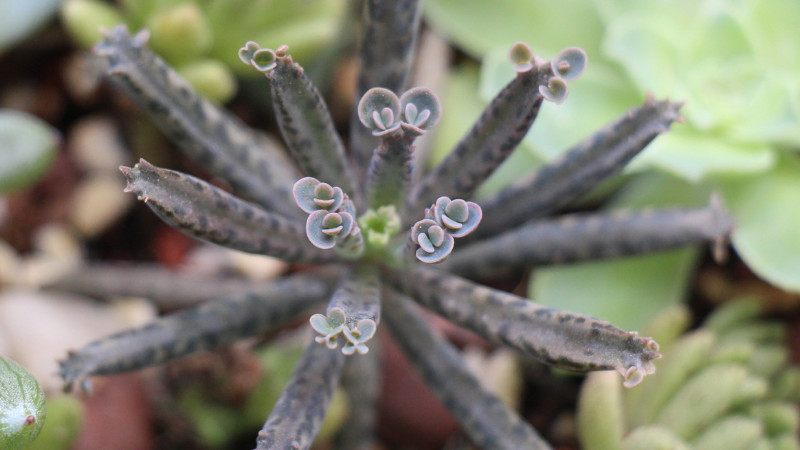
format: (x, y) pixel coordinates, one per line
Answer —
(733, 63)
(381, 234)
(200, 38)
(726, 385)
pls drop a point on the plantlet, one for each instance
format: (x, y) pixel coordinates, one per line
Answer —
(379, 234)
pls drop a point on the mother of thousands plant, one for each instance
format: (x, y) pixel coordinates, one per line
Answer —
(383, 234)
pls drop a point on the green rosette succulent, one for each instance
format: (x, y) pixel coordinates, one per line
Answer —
(727, 385)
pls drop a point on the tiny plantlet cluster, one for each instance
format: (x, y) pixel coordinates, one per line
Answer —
(382, 230)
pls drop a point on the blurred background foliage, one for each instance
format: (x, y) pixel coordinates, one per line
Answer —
(736, 64)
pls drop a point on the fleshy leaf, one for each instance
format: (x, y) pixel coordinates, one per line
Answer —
(28, 149)
(556, 90)
(765, 207)
(420, 108)
(383, 105)
(521, 56)
(424, 233)
(570, 63)
(323, 228)
(311, 195)
(459, 217)
(264, 59)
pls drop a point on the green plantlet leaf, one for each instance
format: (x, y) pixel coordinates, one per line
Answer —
(28, 149)
(361, 333)
(22, 406)
(380, 225)
(653, 437)
(19, 18)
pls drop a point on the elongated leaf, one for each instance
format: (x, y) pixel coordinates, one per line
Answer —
(582, 168)
(387, 44)
(584, 237)
(361, 381)
(211, 214)
(497, 132)
(296, 418)
(390, 171)
(206, 327)
(167, 288)
(250, 161)
(487, 421)
(307, 127)
(559, 338)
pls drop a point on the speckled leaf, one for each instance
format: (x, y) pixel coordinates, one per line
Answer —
(205, 327)
(629, 291)
(296, 418)
(206, 212)
(250, 161)
(487, 421)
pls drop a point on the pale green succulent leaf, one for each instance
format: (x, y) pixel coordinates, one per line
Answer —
(28, 147)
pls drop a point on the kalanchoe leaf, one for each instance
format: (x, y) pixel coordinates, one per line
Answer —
(555, 91)
(361, 382)
(569, 64)
(211, 214)
(246, 53)
(311, 195)
(205, 327)
(264, 60)
(434, 243)
(250, 161)
(380, 225)
(389, 33)
(592, 236)
(487, 421)
(311, 385)
(356, 305)
(521, 56)
(328, 327)
(458, 217)
(578, 170)
(357, 336)
(305, 122)
(559, 338)
(324, 228)
(421, 110)
(379, 110)
(491, 139)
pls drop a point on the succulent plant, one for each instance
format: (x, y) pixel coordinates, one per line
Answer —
(22, 406)
(726, 385)
(196, 37)
(383, 235)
